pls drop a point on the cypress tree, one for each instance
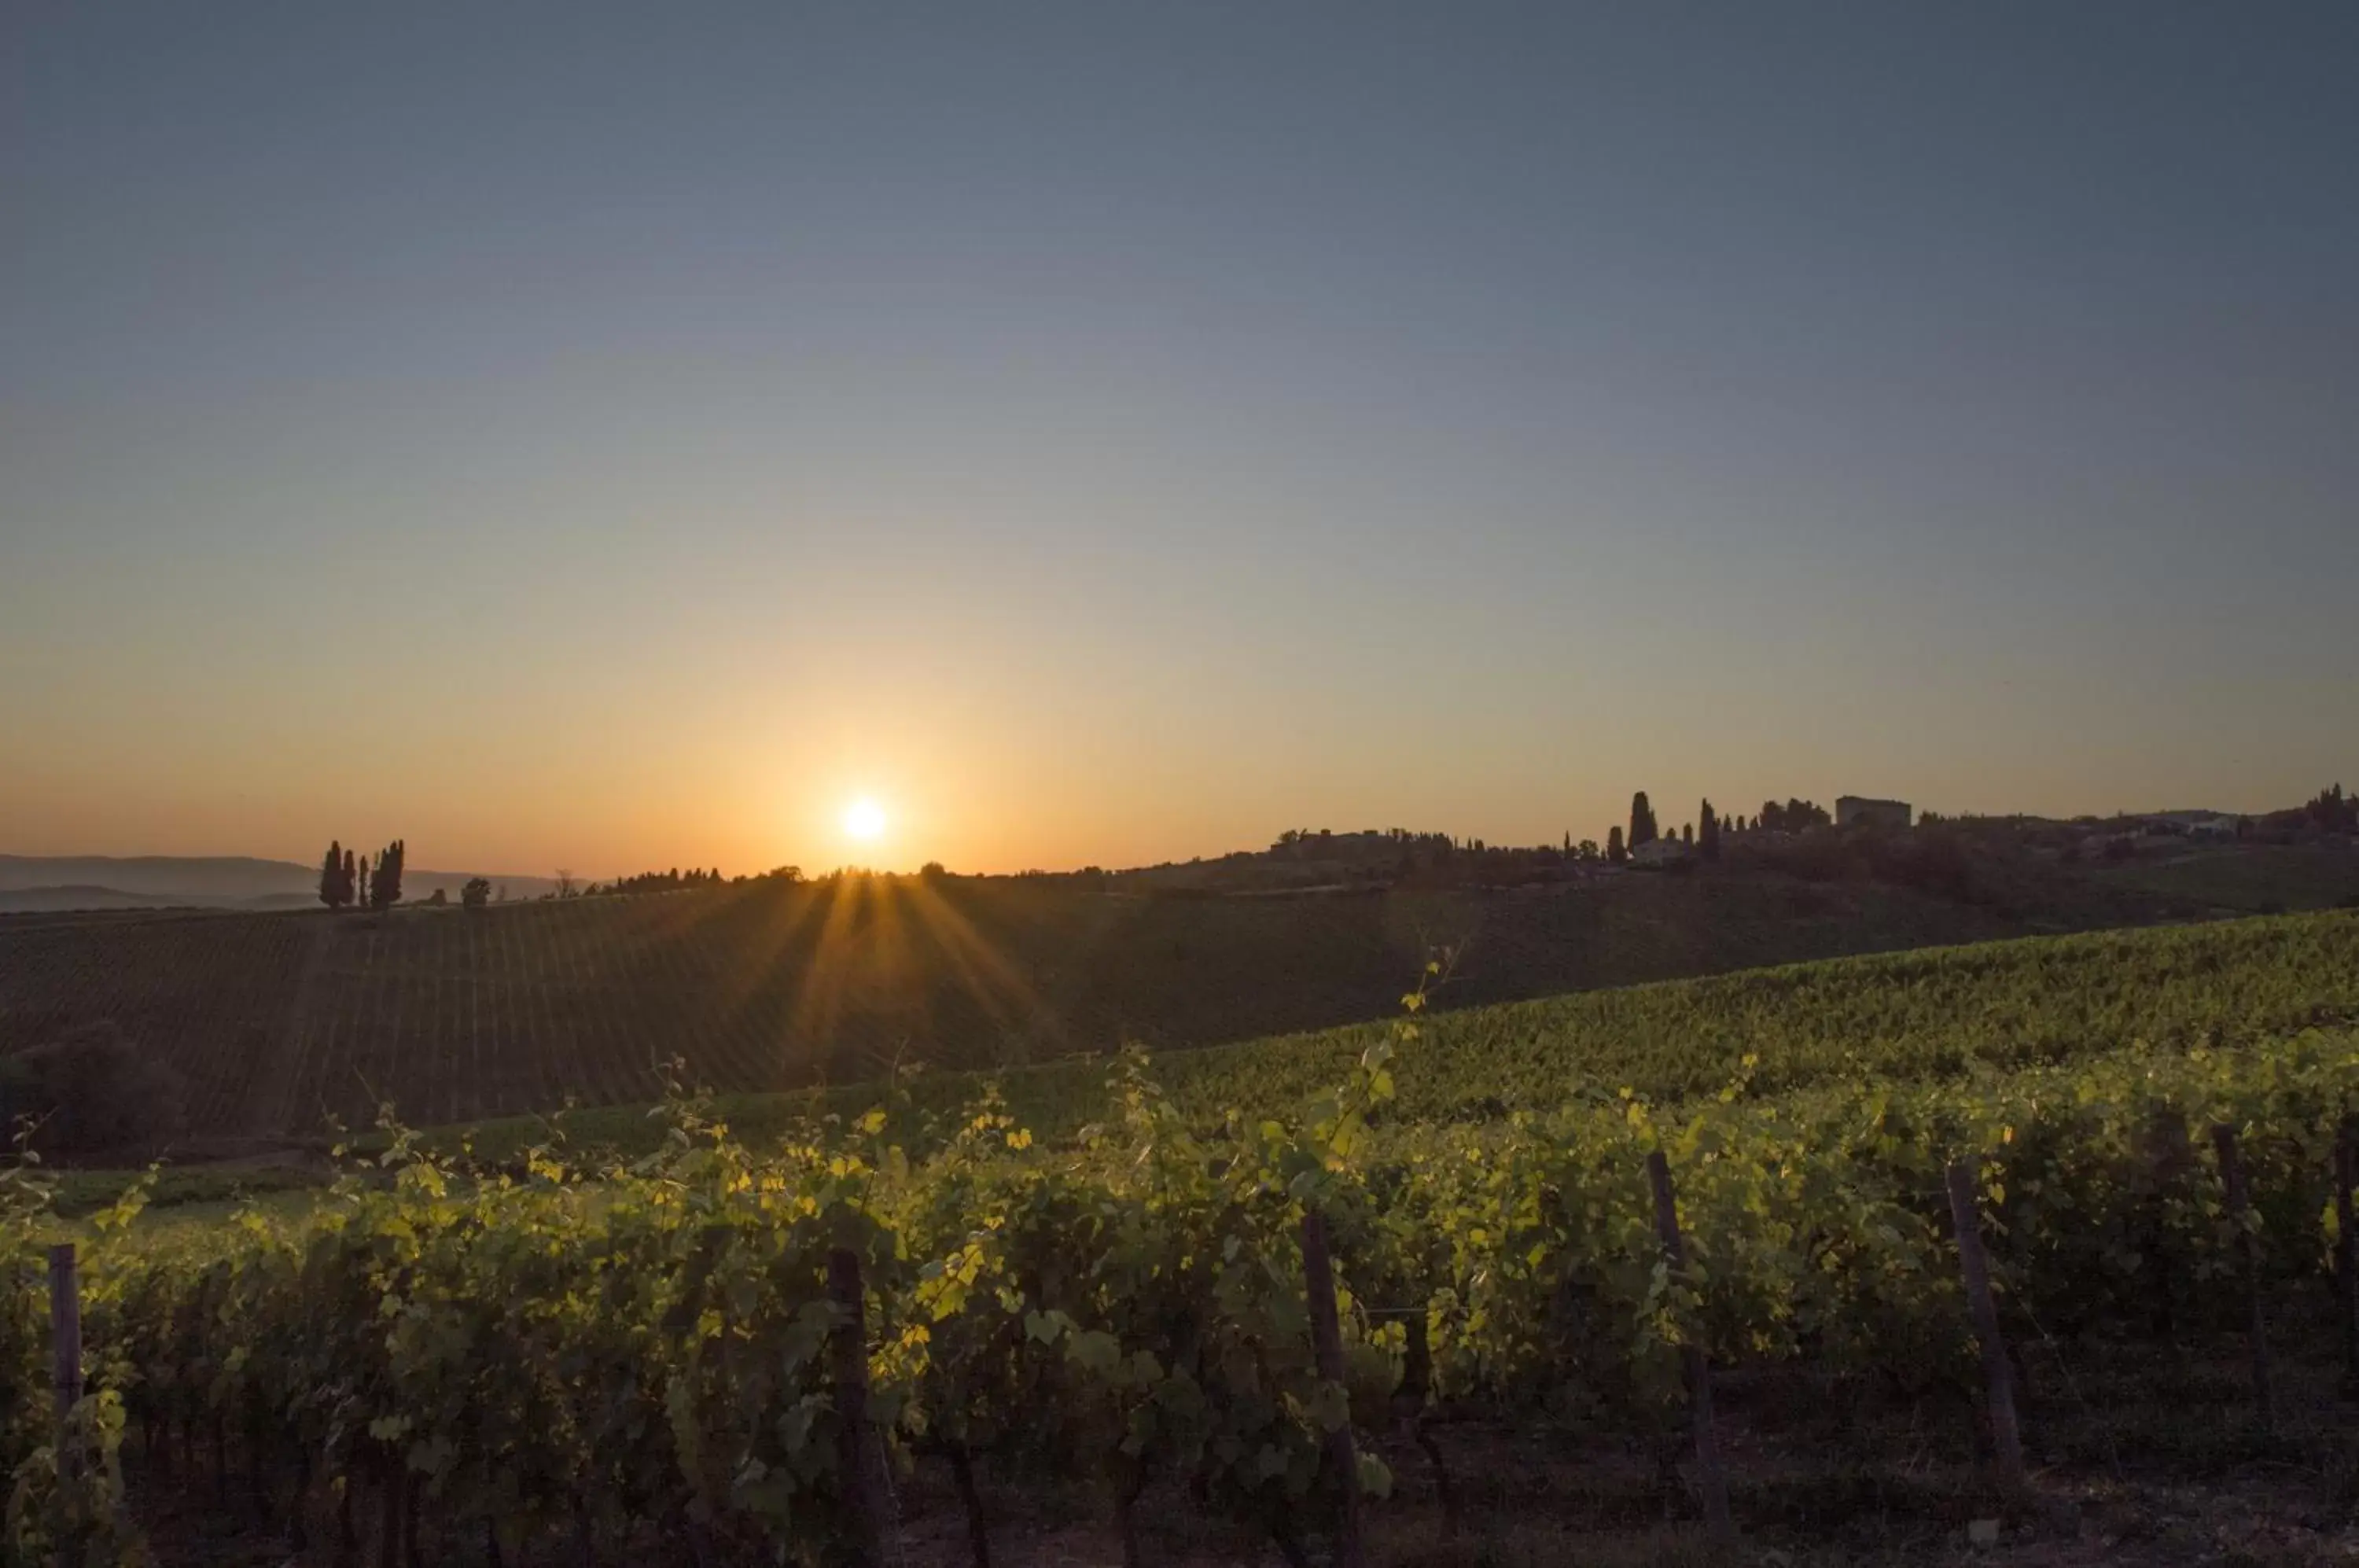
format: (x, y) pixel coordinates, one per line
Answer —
(1642, 821)
(331, 875)
(1613, 850)
(386, 891)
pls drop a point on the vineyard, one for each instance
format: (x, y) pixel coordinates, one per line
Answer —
(1283, 1320)
(208, 996)
(1933, 1013)
(277, 1021)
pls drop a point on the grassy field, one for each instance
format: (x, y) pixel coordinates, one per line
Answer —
(277, 1021)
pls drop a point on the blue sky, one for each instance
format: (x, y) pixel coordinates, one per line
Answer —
(1106, 432)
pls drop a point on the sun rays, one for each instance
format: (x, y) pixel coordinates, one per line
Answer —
(863, 965)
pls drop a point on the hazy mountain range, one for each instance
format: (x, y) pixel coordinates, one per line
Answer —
(32, 883)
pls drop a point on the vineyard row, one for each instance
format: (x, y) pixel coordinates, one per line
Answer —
(593, 1355)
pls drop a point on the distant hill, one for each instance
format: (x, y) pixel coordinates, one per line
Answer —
(74, 897)
(213, 879)
(47, 883)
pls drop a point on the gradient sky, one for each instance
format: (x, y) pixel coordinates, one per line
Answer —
(617, 436)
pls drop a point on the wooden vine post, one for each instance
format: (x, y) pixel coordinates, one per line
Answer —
(1711, 1477)
(1409, 1402)
(1327, 1346)
(65, 1344)
(1999, 1373)
(848, 1347)
(2248, 1253)
(2346, 1248)
(978, 1533)
(396, 1472)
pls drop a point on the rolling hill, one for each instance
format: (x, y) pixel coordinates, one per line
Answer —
(275, 1021)
(50, 884)
(1926, 1015)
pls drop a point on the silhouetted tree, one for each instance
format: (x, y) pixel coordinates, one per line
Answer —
(335, 890)
(1686, 834)
(1642, 821)
(673, 881)
(1613, 850)
(1708, 831)
(476, 893)
(1793, 816)
(564, 882)
(361, 885)
(385, 888)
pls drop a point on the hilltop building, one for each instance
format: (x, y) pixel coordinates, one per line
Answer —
(1858, 811)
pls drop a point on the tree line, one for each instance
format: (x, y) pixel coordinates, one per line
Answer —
(1706, 833)
(347, 880)
(2332, 810)
(1444, 859)
(671, 881)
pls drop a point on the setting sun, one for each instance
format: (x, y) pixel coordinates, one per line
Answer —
(863, 819)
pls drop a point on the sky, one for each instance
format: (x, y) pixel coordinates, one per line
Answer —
(1100, 433)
